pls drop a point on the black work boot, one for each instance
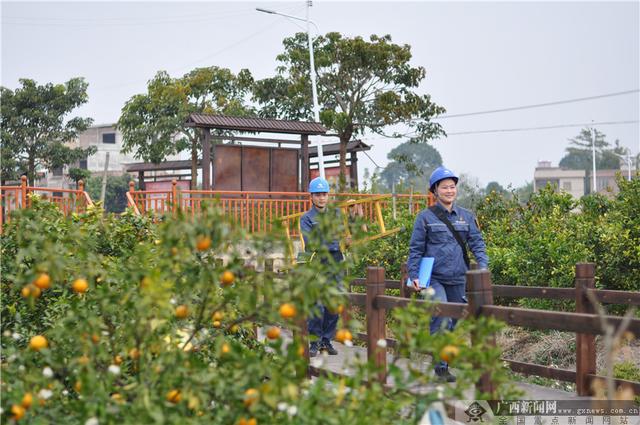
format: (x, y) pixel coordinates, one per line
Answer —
(313, 349)
(444, 375)
(326, 346)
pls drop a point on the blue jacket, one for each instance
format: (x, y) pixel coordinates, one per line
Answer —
(308, 222)
(432, 238)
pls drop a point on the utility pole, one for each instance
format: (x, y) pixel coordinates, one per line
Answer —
(104, 178)
(593, 151)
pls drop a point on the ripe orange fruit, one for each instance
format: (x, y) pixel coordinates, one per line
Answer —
(83, 360)
(250, 397)
(343, 335)
(287, 311)
(227, 278)
(449, 353)
(182, 311)
(117, 397)
(27, 400)
(80, 286)
(217, 316)
(25, 292)
(216, 324)
(273, 332)
(43, 281)
(38, 342)
(234, 329)
(250, 421)
(77, 386)
(117, 360)
(203, 243)
(301, 351)
(174, 396)
(225, 349)
(134, 353)
(95, 338)
(18, 411)
(340, 309)
(145, 282)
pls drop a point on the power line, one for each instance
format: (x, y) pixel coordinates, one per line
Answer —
(371, 159)
(538, 105)
(507, 130)
(549, 127)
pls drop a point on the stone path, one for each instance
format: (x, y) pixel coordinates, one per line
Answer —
(349, 356)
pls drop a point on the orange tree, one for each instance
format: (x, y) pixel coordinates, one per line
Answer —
(127, 321)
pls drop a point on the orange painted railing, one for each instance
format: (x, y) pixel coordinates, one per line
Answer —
(16, 197)
(254, 211)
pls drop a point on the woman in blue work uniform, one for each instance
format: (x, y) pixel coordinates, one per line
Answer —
(323, 323)
(432, 237)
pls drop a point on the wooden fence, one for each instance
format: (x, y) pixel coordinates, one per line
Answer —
(17, 197)
(480, 294)
(254, 211)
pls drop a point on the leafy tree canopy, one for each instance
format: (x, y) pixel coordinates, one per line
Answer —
(152, 124)
(35, 128)
(115, 199)
(411, 164)
(77, 174)
(362, 86)
(580, 152)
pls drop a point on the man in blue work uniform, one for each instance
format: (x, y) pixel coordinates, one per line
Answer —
(327, 248)
(433, 237)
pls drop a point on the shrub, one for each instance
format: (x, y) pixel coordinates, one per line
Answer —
(122, 352)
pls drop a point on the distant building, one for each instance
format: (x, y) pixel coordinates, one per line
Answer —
(108, 140)
(576, 182)
(570, 181)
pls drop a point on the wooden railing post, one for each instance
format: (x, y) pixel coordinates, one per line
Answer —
(23, 187)
(80, 195)
(376, 318)
(479, 294)
(174, 196)
(585, 343)
(404, 275)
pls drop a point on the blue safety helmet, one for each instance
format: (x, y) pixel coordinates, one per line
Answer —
(318, 185)
(441, 173)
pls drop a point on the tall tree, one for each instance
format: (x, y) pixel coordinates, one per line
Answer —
(411, 164)
(495, 187)
(35, 128)
(362, 86)
(580, 152)
(152, 124)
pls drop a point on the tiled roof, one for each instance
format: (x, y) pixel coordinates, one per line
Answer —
(265, 125)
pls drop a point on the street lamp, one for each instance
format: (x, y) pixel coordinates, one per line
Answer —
(628, 158)
(312, 71)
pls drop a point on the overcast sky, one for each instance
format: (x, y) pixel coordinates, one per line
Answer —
(479, 56)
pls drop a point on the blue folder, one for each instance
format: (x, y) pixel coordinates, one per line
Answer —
(424, 274)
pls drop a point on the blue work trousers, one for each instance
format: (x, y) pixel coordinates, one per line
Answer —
(453, 293)
(323, 323)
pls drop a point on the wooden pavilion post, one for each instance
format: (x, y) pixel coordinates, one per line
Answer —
(206, 160)
(353, 170)
(305, 162)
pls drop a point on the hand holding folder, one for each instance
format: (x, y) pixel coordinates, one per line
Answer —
(424, 273)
